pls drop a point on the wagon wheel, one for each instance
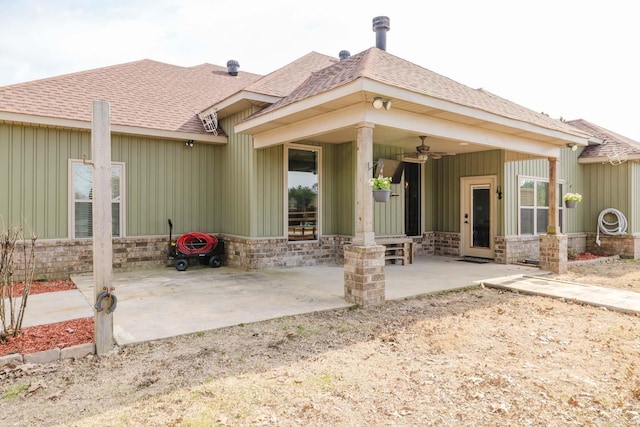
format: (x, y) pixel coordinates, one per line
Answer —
(182, 264)
(215, 261)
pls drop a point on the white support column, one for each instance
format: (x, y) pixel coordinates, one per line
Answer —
(553, 245)
(102, 243)
(364, 234)
(552, 227)
(364, 278)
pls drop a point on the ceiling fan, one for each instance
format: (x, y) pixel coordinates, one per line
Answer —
(423, 152)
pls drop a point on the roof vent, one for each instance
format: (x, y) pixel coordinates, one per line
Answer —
(232, 67)
(344, 54)
(381, 26)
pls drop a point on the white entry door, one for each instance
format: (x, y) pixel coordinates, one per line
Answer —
(478, 211)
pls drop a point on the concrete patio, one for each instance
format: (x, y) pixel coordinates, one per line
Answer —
(155, 304)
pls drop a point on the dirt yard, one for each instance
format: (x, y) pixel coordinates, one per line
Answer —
(476, 357)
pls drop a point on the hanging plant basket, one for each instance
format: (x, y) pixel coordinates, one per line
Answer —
(570, 204)
(381, 195)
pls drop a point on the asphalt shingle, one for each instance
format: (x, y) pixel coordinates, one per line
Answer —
(381, 66)
(146, 93)
(612, 143)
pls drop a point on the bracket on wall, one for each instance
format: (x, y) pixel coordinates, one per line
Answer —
(85, 161)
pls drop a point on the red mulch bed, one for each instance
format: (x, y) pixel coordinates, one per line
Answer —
(45, 337)
(585, 256)
(42, 287)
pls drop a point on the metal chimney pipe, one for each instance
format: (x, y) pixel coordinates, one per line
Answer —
(381, 26)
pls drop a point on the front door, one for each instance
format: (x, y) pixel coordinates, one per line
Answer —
(478, 210)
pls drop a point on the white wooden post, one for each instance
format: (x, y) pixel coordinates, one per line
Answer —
(552, 225)
(102, 228)
(364, 235)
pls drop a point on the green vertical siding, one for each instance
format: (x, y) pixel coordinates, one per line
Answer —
(570, 172)
(634, 196)
(448, 172)
(165, 179)
(269, 207)
(33, 170)
(239, 217)
(430, 186)
(606, 186)
(339, 188)
(388, 218)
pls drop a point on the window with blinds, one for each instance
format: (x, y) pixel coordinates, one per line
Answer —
(533, 206)
(82, 199)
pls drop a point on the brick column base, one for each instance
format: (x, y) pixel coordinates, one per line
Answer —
(364, 274)
(553, 253)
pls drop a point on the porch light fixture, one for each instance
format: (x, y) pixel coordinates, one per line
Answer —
(499, 192)
(379, 103)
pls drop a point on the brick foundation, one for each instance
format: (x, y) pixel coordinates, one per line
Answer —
(59, 259)
(255, 254)
(445, 243)
(515, 249)
(364, 278)
(425, 244)
(627, 245)
(553, 253)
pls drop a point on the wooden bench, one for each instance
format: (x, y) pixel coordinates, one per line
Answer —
(397, 249)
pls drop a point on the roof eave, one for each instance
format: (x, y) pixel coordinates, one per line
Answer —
(605, 159)
(55, 122)
(240, 101)
(260, 122)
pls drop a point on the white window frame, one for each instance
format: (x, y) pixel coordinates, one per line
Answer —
(72, 199)
(318, 150)
(561, 209)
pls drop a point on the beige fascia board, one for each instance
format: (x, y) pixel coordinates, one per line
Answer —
(305, 104)
(378, 88)
(307, 129)
(29, 119)
(448, 106)
(604, 159)
(33, 120)
(238, 97)
(426, 125)
(166, 134)
(422, 125)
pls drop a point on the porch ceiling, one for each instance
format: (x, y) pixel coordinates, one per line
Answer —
(331, 117)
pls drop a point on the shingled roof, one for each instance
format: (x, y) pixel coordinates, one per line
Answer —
(381, 66)
(286, 79)
(146, 93)
(612, 143)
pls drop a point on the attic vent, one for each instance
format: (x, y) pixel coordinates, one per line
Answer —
(210, 122)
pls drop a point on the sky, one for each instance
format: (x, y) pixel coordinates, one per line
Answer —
(567, 58)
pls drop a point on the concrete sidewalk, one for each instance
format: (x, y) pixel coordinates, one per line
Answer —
(54, 307)
(613, 299)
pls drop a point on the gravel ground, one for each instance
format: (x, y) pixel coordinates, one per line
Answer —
(476, 357)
